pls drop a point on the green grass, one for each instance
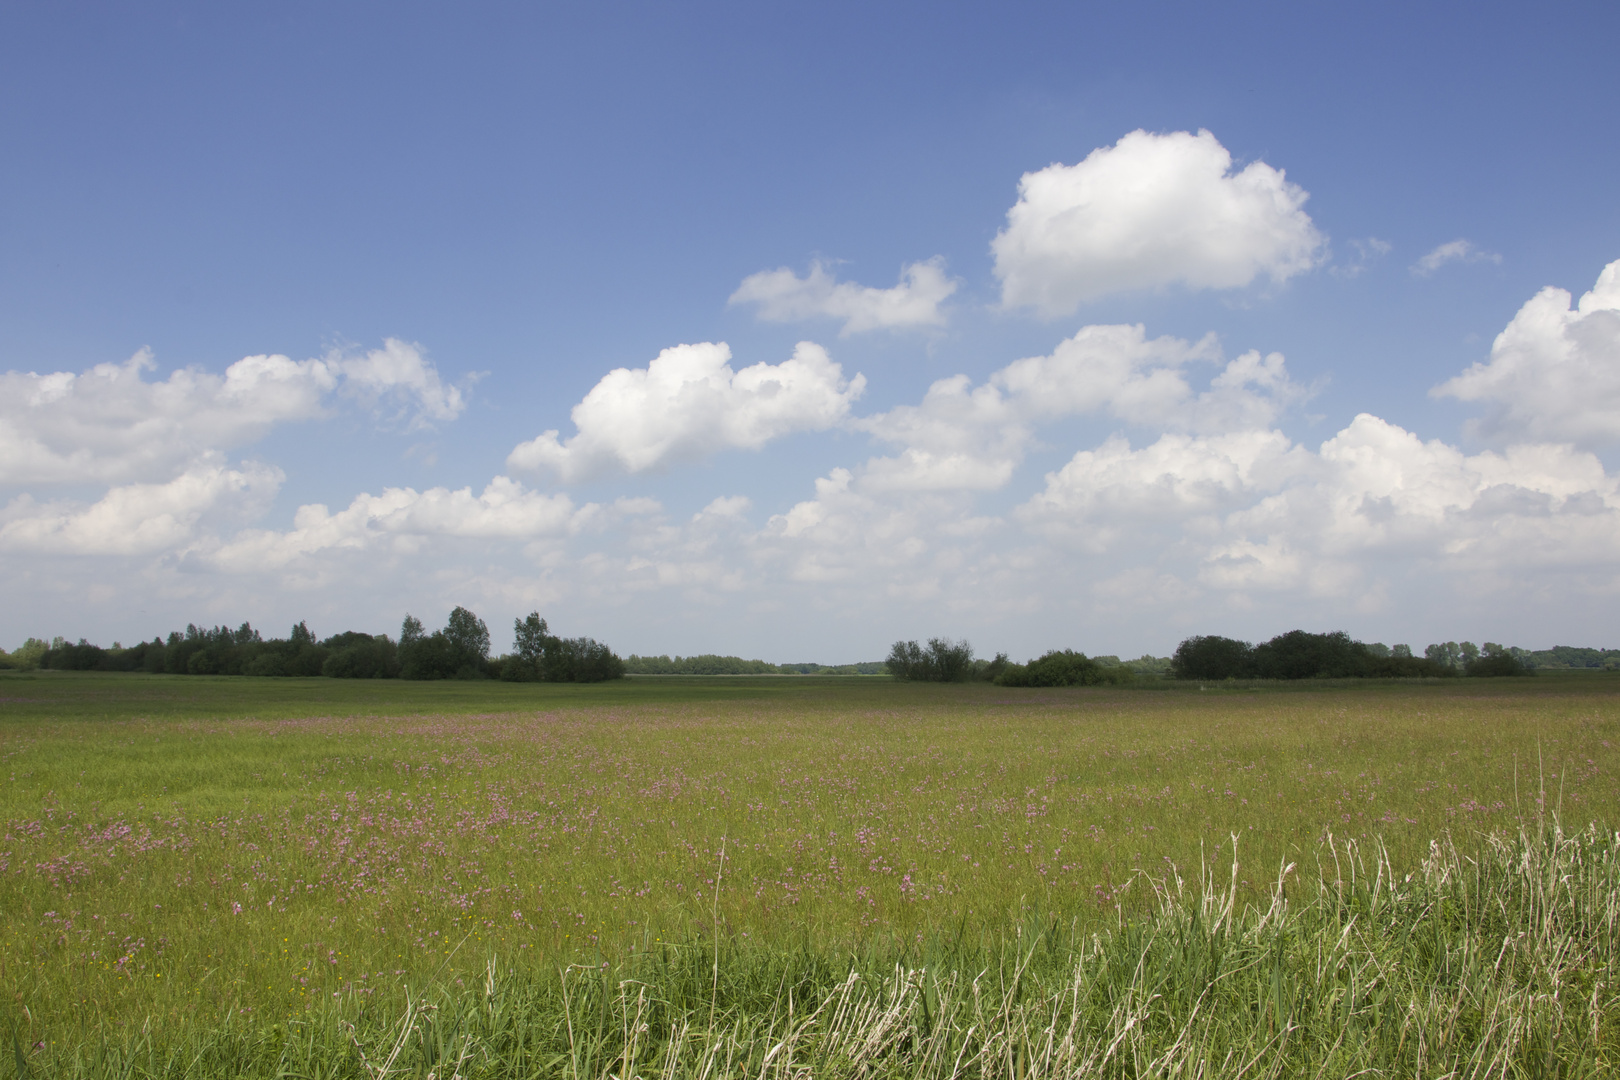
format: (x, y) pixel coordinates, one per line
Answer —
(385, 839)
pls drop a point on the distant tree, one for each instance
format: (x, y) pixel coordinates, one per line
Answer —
(28, 654)
(353, 655)
(1446, 654)
(943, 660)
(1301, 655)
(469, 637)
(1401, 652)
(530, 637)
(410, 631)
(581, 659)
(1065, 668)
(1213, 657)
(423, 655)
(905, 661)
(539, 654)
(81, 657)
(1497, 660)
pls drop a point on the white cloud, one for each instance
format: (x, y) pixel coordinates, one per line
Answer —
(1150, 211)
(914, 303)
(138, 519)
(1196, 515)
(399, 376)
(1367, 252)
(1454, 251)
(1554, 373)
(401, 519)
(1252, 511)
(1379, 494)
(1112, 493)
(110, 425)
(689, 403)
(973, 438)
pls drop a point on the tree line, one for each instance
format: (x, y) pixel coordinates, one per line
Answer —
(1301, 655)
(944, 660)
(1294, 655)
(460, 650)
(710, 664)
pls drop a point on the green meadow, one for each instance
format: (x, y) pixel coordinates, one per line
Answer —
(235, 876)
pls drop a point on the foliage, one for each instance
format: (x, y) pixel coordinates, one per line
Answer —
(542, 656)
(459, 651)
(943, 660)
(864, 667)
(1064, 668)
(1571, 657)
(1498, 660)
(582, 660)
(704, 664)
(1299, 655)
(353, 655)
(25, 657)
(1213, 657)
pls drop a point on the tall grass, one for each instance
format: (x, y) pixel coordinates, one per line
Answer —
(1498, 961)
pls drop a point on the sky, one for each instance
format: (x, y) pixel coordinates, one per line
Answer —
(792, 330)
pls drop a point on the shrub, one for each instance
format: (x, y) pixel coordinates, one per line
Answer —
(1064, 668)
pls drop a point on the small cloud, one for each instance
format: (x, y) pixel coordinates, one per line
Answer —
(1455, 251)
(1368, 251)
(913, 303)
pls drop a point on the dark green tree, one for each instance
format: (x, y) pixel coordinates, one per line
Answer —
(469, 637)
(530, 640)
(1213, 657)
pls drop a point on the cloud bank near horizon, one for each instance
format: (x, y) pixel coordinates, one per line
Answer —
(1198, 506)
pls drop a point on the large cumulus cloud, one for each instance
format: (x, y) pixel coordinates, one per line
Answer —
(1554, 372)
(1150, 211)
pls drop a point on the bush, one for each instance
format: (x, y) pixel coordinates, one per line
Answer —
(1064, 668)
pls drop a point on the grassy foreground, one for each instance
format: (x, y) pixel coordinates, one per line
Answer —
(230, 872)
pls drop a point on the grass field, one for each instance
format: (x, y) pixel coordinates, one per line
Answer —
(264, 857)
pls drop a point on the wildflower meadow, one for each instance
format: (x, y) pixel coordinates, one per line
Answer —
(671, 876)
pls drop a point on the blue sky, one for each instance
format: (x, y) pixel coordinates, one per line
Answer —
(525, 200)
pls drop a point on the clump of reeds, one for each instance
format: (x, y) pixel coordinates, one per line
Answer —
(1501, 961)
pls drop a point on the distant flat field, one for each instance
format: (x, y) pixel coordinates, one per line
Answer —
(201, 845)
